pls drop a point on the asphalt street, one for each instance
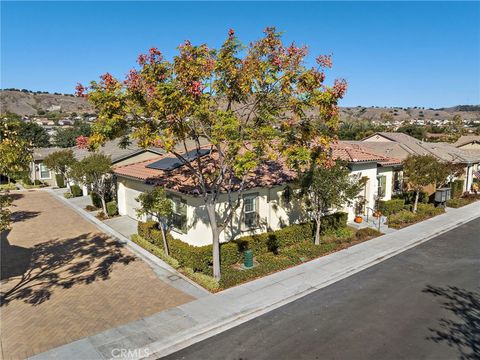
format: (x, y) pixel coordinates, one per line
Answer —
(421, 304)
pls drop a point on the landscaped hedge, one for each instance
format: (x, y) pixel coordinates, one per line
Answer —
(60, 180)
(96, 200)
(76, 190)
(464, 200)
(409, 197)
(199, 258)
(405, 217)
(367, 233)
(390, 207)
(457, 188)
(112, 208)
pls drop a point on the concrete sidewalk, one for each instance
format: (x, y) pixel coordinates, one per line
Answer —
(166, 332)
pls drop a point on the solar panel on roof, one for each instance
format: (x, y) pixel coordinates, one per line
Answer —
(172, 162)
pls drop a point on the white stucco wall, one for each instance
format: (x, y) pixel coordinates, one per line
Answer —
(273, 211)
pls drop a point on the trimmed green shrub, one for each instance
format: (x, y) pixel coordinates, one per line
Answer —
(67, 195)
(345, 233)
(112, 208)
(457, 202)
(76, 190)
(155, 250)
(457, 188)
(333, 222)
(429, 210)
(96, 200)
(409, 197)
(405, 217)
(391, 206)
(144, 228)
(60, 180)
(367, 233)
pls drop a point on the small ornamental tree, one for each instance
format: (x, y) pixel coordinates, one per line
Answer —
(15, 157)
(61, 162)
(95, 170)
(250, 103)
(456, 124)
(424, 170)
(15, 153)
(5, 202)
(67, 137)
(155, 203)
(325, 188)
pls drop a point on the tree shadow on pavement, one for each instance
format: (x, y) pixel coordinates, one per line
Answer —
(59, 264)
(23, 215)
(462, 329)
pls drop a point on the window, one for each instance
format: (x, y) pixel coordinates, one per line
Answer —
(179, 213)
(397, 184)
(44, 172)
(250, 216)
(382, 183)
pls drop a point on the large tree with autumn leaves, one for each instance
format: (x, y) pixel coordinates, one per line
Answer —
(250, 103)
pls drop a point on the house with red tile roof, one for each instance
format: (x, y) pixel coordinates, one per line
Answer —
(267, 202)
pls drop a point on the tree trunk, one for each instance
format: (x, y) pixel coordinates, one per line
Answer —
(164, 238)
(215, 238)
(69, 188)
(317, 231)
(104, 206)
(417, 195)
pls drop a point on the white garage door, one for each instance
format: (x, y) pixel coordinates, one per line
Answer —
(131, 203)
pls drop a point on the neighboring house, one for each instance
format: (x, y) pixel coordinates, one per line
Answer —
(119, 156)
(468, 142)
(40, 172)
(267, 202)
(401, 145)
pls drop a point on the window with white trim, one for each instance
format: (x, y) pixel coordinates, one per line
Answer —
(382, 185)
(250, 211)
(179, 213)
(44, 172)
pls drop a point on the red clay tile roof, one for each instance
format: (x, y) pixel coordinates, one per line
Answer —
(354, 153)
(268, 174)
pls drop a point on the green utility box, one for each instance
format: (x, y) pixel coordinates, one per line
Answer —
(248, 259)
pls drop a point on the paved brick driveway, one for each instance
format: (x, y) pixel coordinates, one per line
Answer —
(62, 280)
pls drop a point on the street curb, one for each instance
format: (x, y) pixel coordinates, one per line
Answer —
(192, 336)
(145, 255)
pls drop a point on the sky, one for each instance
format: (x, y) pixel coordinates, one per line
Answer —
(391, 53)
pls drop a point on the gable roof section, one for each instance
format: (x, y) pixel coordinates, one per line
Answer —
(467, 139)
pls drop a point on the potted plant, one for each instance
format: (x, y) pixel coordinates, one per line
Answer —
(359, 206)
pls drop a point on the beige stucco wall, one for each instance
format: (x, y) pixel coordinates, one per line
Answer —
(377, 138)
(35, 174)
(470, 146)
